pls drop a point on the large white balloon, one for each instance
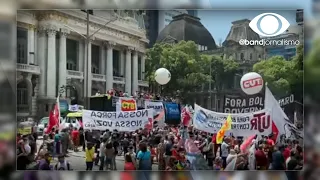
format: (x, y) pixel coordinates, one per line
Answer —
(162, 76)
(251, 83)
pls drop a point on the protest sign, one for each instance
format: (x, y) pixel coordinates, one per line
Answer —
(243, 104)
(126, 104)
(121, 121)
(158, 111)
(243, 124)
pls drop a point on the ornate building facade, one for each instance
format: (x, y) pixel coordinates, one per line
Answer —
(51, 56)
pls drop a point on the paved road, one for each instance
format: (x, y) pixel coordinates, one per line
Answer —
(77, 160)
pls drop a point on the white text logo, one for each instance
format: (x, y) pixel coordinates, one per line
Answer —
(269, 24)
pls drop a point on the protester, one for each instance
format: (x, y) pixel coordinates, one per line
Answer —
(144, 158)
(89, 156)
(62, 165)
(102, 154)
(109, 155)
(129, 165)
(75, 139)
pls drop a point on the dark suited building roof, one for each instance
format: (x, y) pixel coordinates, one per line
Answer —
(188, 28)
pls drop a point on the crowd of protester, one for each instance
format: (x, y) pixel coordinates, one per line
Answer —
(170, 147)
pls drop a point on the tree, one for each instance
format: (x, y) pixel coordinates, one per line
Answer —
(312, 72)
(190, 70)
(185, 63)
(223, 72)
(283, 76)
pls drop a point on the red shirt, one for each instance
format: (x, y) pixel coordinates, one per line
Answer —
(261, 158)
(75, 134)
(174, 153)
(286, 153)
(129, 166)
(270, 142)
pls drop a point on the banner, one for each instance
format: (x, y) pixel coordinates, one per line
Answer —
(158, 111)
(243, 104)
(126, 104)
(245, 124)
(172, 113)
(121, 121)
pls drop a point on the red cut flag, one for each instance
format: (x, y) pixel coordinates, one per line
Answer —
(54, 117)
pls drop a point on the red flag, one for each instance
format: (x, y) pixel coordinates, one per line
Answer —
(54, 117)
(186, 117)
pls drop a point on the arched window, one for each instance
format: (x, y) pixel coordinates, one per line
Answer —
(22, 97)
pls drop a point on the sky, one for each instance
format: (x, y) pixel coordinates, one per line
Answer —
(219, 21)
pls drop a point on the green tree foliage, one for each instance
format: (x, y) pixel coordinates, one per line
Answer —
(312, 72)
(283, 76)
(189, 69)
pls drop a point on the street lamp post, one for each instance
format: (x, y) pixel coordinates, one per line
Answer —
(87, 72)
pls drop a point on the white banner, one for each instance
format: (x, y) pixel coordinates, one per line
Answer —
(121, 121)
(158, 111)
(244, 124)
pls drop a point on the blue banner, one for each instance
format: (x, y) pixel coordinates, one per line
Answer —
(172, 113)
(64, 106)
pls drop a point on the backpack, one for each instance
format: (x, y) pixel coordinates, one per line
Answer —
(61, 167)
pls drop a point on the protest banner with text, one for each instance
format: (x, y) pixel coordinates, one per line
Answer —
(158, 111)
(121, 121)
(243, 124)
(243, 104)
(126, 104)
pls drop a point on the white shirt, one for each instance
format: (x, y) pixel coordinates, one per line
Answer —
(27, 148)
(230, 158)
(287, 161)
(101, 153)
(224, 150)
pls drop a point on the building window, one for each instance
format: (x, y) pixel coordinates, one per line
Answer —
(250, 56)
(71, 65)
(95, 58)
(95, 69)
(22, 97)
(242, 57)
(259, 56)
(205, 48)
(199, 47)
(72, 54)
(22, 46)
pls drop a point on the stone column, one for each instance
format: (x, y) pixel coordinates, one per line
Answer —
(109, 67)
(102, 59)
(31, 43)
(63, 60)
(122, 62)
(51, 64)
(143, 67)
(135, 85)
(128, 70)
(88, 87)
(81, 55)
(42, 61)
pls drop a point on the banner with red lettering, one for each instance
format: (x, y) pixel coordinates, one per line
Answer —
(243, 124)
(126, 104)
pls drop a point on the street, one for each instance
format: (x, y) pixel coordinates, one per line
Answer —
(77, 160)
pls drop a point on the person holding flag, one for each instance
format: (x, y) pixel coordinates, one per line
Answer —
(224, 149)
